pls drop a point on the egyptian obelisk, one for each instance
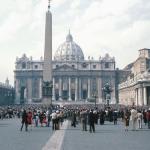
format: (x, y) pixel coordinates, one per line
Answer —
(47, 69)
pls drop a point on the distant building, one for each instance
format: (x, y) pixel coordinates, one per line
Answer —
(136, 89)
(7, 93)
(74, 78)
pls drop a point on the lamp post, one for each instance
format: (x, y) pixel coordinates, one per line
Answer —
(107, 90)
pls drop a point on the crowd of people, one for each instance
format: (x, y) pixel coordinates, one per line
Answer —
(86, 115)
(130, 115)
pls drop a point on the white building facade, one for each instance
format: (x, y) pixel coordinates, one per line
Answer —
(74, 78)
(136, 89)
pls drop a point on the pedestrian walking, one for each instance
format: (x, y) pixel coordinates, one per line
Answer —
(84, 116)
(148, 118)
(91, 122)
(139, 119)
(126, 119)
(115, 116)
(54, 117)
(73, 119)
(145, 117)
(102, 117)
(24, 120)
(29, 119)
(134, 119)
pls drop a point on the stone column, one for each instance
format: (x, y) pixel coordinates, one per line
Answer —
(99, 86)
(136, 97)
(80, 92)
(60, 88)
(113, 93)
(145, 95)
(69, 90)
(29, 89)
(89, 88)
(76, 89)
(140, 96)
(53, 94)
(40, 88)
(17, 99)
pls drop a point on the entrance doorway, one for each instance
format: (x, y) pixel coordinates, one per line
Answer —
(84, 94)
(22, 98)
(65, 95)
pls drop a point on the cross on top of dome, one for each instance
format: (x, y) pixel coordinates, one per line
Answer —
(69, 37)
(49, 4)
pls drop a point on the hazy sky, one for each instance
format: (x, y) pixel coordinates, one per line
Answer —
(117, 27)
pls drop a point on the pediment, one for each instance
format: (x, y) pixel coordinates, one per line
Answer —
(65, 68)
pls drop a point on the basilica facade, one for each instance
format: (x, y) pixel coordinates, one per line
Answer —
(74, 77)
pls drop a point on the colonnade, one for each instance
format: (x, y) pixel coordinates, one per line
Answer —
(78, 88)
(141, 96)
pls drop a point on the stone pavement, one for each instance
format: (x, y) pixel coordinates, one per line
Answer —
(55, 142)
(106, 137)
(11, 138)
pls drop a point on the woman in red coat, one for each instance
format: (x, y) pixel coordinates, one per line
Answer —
(148, 118)
(29, 118)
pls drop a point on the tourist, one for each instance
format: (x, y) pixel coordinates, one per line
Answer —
(102, 117)
(54, 117)
(134, 119)
(91, 122)
(36, 118)
(48, 118)
(73, 119)
(83, 116)
(115, 116)
(148, 118)
(57, 120)
(145, 117)
(139, 119)
(29, 118)
(24, 121)
(126, 119)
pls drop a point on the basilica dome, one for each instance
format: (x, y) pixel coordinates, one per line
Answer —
(69, 51)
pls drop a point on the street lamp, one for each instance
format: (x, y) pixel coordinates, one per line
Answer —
(94, 95)
(107, 90)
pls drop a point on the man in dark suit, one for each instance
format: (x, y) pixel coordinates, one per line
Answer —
(24, 120)
(91, 121)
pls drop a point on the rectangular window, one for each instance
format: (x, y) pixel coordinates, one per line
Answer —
(106, 65)
(36, 66)
(84, 65)
(94, 66)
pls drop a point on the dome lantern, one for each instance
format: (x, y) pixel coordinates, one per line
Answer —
(69, 37)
